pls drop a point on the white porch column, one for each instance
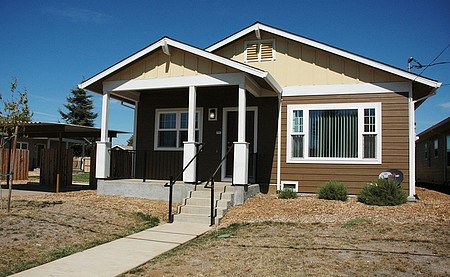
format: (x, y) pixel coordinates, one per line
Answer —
(240, 166)
(412, 147)
(190, 148)
(103, 146)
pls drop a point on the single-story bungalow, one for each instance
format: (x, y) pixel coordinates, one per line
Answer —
(290, 111)
(433, 154)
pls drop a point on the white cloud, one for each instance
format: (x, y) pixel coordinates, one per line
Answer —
(445, 105)
(78, 15)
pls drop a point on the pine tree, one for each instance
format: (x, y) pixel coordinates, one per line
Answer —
(79, 107)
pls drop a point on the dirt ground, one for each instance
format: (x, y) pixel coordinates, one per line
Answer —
(266, 236)
(48, 226)
(312, 237)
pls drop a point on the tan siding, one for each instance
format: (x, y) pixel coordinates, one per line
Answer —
(159, 65)
(395, 149)
(306, 65)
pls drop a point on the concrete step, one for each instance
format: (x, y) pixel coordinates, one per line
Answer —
(221, 187)
(223, 203)
(207, 195)
(201, 210)
(203, 219)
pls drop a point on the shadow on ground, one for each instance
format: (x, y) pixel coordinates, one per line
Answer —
(440, 188)
(34, 186)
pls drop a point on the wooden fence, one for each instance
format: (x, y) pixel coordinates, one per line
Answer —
(49, 167)
(20, 167)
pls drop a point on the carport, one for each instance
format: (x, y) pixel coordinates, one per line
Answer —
(61, 131)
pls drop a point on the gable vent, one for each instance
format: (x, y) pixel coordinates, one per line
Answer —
(259, 50)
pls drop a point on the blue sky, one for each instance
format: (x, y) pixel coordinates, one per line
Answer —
(51, 46)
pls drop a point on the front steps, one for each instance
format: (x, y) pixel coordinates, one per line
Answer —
(196, 208)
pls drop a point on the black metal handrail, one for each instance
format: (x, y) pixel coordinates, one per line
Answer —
(173, 181)
(211, 181)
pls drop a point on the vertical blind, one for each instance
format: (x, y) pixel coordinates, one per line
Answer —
(333, 133)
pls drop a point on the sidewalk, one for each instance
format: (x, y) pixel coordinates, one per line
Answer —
(119, 256)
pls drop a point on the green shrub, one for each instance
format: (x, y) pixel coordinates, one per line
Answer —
(287, 194)
(383, 192)
(333, 190)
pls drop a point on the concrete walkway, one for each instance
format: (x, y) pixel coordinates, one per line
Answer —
(119, 256)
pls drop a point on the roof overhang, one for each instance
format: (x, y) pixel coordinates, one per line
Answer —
(258, 27)
(54, 130)
(95, 83)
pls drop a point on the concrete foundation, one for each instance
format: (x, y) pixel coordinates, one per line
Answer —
(149, 190)
(242, 193)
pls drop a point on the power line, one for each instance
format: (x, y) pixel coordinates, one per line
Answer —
(432, 61)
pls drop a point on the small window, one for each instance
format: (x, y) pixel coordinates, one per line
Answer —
(426, 151)
(172, 129)
(289, 185)
(436, 148)
(256, 51)
(448, 150)
(22, 145)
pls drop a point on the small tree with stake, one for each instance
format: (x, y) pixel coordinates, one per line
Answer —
(13, 115)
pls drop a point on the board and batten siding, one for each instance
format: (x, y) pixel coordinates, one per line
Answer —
(179, 63)
(394, 125)
(297, 64)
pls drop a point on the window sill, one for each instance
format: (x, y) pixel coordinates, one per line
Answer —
(333, 161)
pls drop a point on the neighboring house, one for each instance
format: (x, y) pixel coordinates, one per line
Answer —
(35, 146)
(298, 112)
(433, 154)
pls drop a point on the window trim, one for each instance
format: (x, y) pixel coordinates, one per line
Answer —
(436, 148)
(295, 183)
(178, 112)
(259, 43)
(341, 106)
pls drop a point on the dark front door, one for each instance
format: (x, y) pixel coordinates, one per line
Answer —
(232, 134)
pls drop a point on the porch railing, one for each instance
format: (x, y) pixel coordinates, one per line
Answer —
(174, 180)
(145, 164)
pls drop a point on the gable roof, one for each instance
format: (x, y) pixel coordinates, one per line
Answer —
(164, 43)
(256, 27)
(437, 128)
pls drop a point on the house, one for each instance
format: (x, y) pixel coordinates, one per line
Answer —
(433, 154)
(296, 112)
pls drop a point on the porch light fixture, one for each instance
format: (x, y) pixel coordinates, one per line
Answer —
(212, 114)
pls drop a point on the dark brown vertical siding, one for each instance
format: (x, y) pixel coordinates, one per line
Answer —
(208, 160)
(395, 151)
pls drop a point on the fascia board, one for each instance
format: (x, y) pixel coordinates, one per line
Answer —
(327, 48)
(167, 41)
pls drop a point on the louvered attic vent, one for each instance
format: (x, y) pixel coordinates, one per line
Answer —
(262, 50)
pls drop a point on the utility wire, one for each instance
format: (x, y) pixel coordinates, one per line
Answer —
(428, 65)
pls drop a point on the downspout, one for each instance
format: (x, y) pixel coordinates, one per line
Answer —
(412, 147)
(412, 140)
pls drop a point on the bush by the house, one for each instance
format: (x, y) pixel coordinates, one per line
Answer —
(287, 193)
(333, 190)
(383, 192)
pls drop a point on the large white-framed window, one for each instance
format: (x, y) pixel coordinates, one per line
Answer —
(171, 128)
(259, 50)
(334, 133)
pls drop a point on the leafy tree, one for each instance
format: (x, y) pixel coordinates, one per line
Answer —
(79, 109)
(15, 111)
(14, 114)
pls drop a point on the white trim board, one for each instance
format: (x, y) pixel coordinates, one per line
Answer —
(166, 42)
(327, 48)
(347, 89)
